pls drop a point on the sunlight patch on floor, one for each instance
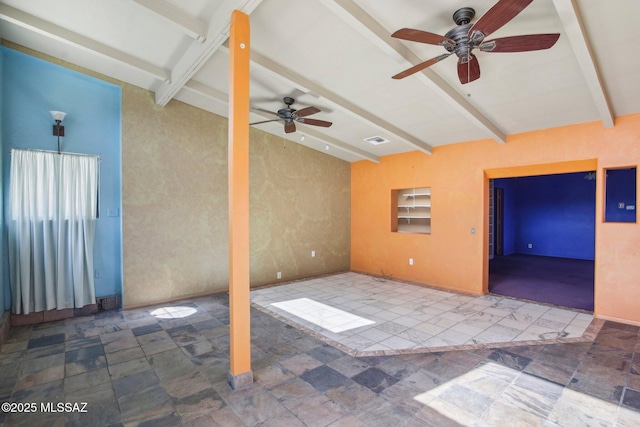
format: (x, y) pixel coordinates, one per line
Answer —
(177, 312)
(333, 319)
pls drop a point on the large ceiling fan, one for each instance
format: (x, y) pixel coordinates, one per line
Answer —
(466, 37)
(290, 115)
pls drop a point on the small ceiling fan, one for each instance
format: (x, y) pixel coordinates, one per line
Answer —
(290, 115)
(466, 37)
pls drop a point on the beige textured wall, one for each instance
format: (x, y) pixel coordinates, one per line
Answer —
(300, 202)
(175, 204)
(174, 200)
(174, 207)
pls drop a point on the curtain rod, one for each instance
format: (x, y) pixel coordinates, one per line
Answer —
(55, 152)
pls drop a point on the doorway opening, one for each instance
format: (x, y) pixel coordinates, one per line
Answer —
(542, 238)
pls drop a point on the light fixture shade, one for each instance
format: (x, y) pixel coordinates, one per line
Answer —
(58, 115)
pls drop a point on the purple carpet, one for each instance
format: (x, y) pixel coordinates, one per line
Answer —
(560, 281)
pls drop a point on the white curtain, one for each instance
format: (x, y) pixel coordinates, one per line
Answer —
(53, 202)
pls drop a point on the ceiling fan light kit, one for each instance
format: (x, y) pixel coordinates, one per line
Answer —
(465, 37)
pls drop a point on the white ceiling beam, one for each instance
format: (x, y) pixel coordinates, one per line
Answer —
(206, 91)
(199, 53)
(325, 139)
(52, 31)
(360, 20)
(186, 23)
(306, 85)
(218, 96)
(579, 40)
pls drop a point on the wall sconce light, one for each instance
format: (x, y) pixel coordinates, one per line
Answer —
(58, 130)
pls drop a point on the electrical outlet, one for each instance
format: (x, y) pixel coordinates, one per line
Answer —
(279, 275)
(313, 253)
(410, 261)
(530, 245)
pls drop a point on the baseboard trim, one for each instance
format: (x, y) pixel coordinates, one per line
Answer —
(617, 319)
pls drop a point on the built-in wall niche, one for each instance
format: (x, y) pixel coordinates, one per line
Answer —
(620, 195)
(411, 210)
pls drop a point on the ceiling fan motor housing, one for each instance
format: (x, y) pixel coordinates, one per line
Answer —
(463, 46)
(287, 113)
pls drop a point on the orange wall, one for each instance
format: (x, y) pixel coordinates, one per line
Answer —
(451, 256)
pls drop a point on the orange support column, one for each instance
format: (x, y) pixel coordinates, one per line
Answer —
(240, 373)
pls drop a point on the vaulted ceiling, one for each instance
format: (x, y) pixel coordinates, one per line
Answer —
(339, 56)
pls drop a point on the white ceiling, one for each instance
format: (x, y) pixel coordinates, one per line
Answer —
(338, 55)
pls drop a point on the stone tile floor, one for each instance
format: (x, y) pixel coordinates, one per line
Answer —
(138, 368)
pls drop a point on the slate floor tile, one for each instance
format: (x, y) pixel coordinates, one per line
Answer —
(318, 411)
(256, 406)
(375, 379)
(146, 329)
(198, 404)
(102, 413)
(467, 399)
(46, 340)
(131, 384)
(326, 353)
(85, 365)
(40, 377)
(631, 399)
(323, 378)
(174, 372)
(351, 395)
(84, 353)
(148, 406)
(301, 363)
(87, 380)
(290, 393)
(510, 359)
(378, 412)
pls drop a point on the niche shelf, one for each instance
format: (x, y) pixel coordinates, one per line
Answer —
(411, 210)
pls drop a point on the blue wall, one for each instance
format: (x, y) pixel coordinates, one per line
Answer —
(620, 195)
(33, 87)
(553, 213)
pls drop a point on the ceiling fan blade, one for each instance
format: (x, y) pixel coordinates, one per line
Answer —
(264, 121)
(265, 111)
(307, 111)
(421, 37)
(289, 127)
(420, 66)
(501, 13)
(315, 122)
(520, 43)
(469, 71)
